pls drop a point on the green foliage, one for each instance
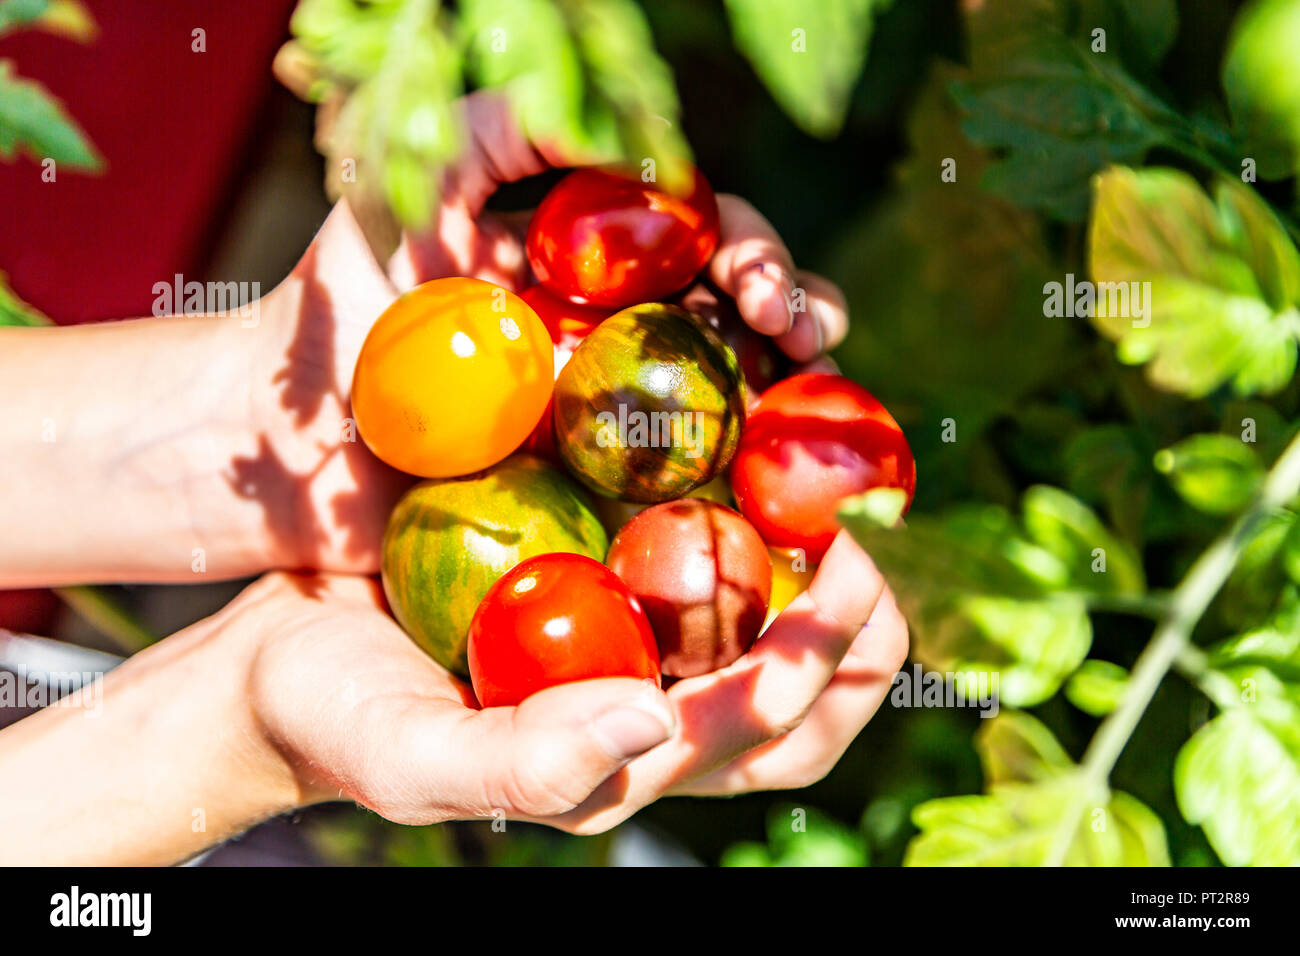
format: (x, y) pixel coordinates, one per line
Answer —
(31, 120)
(1261, 78)
(581, 74)
(808, 55)
(1096, 687)
(583, 77)
(1031, 784)
(1218, 474)
(986, 596)
(1223, 279)
(14, 311)
(801, 837)
(1056, 107)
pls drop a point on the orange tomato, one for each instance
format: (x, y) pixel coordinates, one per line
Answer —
(452, 378)
(791, 575)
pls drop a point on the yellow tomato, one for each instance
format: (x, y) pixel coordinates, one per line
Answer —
(791, 575)
(452, 378)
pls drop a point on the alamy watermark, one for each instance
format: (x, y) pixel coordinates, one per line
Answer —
(638, 429)
(36, 689)
(1084, 299)
(179, 297)
(918, 688)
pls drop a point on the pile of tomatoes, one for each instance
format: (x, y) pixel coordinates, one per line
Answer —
(621, 395)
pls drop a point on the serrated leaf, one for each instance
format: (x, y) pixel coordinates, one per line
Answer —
(1015, 747)
(1096, 687)
(33, 121)
(1214, 271)
(1058, 113)
(807, 55)
(1098, 561)
(1217, 474)
(1016, 824)
(1261, 77)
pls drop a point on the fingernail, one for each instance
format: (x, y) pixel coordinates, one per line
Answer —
(629, 730)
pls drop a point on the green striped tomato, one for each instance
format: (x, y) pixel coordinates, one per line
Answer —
(449, 540)
(649, 406)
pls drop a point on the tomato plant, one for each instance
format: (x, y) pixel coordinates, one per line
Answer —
(452, 378)
(702, 574)
(552, 619)
(605, 238)
(811, 441)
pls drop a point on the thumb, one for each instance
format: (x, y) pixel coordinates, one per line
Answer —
(547, 755)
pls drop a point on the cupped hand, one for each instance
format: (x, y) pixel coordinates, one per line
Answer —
(359, 712)
(332, 497)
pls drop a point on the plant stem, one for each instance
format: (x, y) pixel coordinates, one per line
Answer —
(1186, 605)
(1153, 604)
(106, 616)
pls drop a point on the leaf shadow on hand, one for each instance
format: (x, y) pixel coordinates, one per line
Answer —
(345, 534)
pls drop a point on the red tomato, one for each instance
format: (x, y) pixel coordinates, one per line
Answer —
(568, 325)
(609, 239)
(556, 618)
(809, 442)
(702, 574)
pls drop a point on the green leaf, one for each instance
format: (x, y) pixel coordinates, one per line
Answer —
(1056, 111)
(402, 125)
(348, 40)
(1096, 687)
(1098, 561)
(808, 55)
(14, 311)
(1014, 747)
(1217, 474)
(982, 600)
(1239, 779)
(801, 836)
(67, 18)
(880, 506)
(583, 76)
(1261, 76)
(34, 121)
(1016, 824)
(1217, 274)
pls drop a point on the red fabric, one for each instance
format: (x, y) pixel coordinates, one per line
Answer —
(175, 128)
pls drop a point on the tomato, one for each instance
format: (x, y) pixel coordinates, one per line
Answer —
(760, 360)
(452, 378)
(568, 325)
(791, 575)
(650, 406)
(809, 442)
(609, 239)
(702, 574)
(552, 619)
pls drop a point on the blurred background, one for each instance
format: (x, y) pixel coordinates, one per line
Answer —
(209, 170)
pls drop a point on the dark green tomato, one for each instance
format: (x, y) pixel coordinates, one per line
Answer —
(650, 405)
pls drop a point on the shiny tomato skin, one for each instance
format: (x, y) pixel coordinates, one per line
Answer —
(606, 238)
(452, 378)
(552, 619)
(810, 441)
(568, 325)
(704, 577)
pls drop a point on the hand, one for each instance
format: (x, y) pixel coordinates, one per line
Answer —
(357, 710)
(339, 495)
